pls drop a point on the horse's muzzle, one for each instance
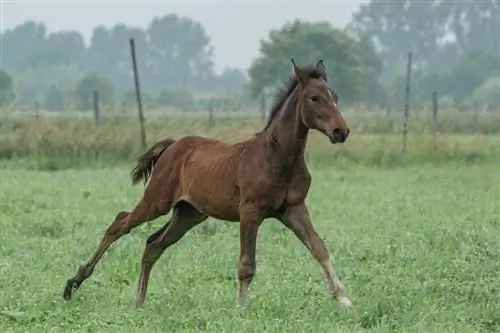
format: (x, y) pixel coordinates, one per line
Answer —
(339, 135)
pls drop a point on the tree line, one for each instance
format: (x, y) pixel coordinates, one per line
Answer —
(455, 46)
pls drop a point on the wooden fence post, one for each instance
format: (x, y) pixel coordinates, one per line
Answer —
(95, 101)
(211, 122)
(434, 116)
(138, 94)
(407, 102)
(37, 110)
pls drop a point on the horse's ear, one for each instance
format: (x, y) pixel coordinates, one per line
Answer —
(320, 68)
(299, 73)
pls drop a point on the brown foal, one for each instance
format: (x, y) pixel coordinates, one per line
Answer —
(263, 177)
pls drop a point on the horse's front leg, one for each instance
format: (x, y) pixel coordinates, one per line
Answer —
(250, 221)
(297, 219)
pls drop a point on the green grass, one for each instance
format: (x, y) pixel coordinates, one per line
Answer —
(417, 249)
(64, 140)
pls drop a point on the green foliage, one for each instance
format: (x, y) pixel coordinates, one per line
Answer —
(472, 71)
(231, 80)
(55, 99)
(307, 43)
(172, 51)
(424, 82)
(85, 89)
(147, 100)
(186, 53)
(487, 93)
(6, 88)
(34, 83)
(437, 32)
(459, 82)
(66, 47)
(455, 50)
(415, 247)
(176, 98)
(61, 141)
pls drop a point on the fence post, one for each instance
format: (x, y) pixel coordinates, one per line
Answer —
(124, 107)
(138, 94)
(434, 116)
(211, 113)
(477, 112)
(37, 110)
(407, 102)
(95, 100)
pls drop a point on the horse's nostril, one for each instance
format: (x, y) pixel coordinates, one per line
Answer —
(339, 135)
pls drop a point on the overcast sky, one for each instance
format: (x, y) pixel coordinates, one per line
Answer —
(234, 26)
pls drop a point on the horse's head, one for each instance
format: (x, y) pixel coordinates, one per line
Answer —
(319, 104)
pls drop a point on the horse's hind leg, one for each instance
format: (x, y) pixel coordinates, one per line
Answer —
(184, 218)
(124, 222)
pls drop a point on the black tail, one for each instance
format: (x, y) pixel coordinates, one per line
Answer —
(147, 161)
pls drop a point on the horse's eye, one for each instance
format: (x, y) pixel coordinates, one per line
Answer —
(315, 98)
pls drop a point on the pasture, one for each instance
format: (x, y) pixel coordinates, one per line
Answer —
(416, 247)
(414, 238)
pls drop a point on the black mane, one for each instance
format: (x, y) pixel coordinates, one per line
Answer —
(283, 93)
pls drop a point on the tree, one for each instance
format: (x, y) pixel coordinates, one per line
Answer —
(176, 98)
(438, 32)
(55, 99)
(425, 81)
(473, 24)
(22, 42)
(471, 71)
(174, 52)
(40, 60)
(230, 80)
(307, 43)
(398, 27)
(85, 90)
(6, 88)
(487, 93)
(459, 82)
(180, 52)
(109, 55)
(33, 83)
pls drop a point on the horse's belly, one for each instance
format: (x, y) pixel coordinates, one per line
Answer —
(216, 206)
(214, 196)
(209, 181)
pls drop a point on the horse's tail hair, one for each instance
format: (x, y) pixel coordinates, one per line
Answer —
(147, 161)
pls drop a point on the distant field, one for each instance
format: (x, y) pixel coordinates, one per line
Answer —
(60, 141)
(417, 248)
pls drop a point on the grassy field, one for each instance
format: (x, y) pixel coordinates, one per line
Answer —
(59, 140)
(416, 247)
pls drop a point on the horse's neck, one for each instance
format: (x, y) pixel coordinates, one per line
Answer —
(287, 138)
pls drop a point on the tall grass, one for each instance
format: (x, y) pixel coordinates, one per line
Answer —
(55, 141)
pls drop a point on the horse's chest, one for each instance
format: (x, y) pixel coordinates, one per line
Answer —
(290, 193)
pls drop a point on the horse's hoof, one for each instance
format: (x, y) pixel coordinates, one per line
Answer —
(139, 304)
(68, 289)
(345, 302)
